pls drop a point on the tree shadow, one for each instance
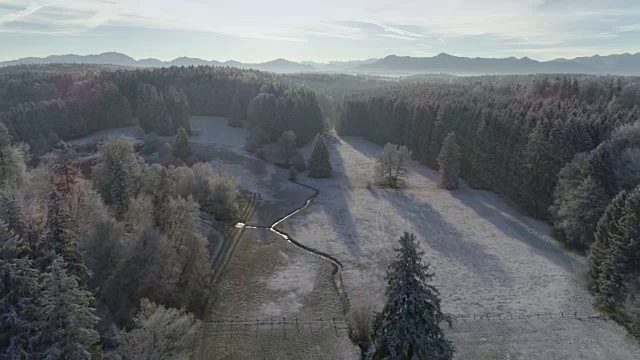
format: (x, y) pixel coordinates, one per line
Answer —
(500, 215)
(442, 237)
(339, 198)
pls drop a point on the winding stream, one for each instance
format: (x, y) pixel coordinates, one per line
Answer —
(337, 265)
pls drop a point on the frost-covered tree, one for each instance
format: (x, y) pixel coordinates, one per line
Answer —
(178, 108)
(217, 193)
(62, 237)
(287, 147)
(409, 325)
(390, 169)
(12, 160)
(181, 148)
(117, 172)
(601, 251)
(293, 174)
(449, 162)
(160, 334)
(19, 289)
(319, 163)
(236, 111)
(68, 323)
(618, 253)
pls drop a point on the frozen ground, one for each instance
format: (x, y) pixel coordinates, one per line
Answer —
(98, 136)
(487, 258)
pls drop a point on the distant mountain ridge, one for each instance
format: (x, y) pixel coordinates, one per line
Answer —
(623, 64)
(628, 64)
(114, 58)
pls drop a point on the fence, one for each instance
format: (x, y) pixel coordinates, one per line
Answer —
(299, 323)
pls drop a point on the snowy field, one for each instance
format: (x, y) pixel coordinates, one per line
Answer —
(487, 259)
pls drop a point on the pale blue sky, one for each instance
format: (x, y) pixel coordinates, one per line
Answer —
(254, 31)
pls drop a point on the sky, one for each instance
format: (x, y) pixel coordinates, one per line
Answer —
(327, 30)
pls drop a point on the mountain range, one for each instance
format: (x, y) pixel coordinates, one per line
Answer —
(622, 64)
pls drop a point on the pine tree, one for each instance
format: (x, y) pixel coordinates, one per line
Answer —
(293, 174)
(409, 325)
(66, 170)
(319, 163)
(449, 162)
(181, 148)
(62, 237)
(12, 160)
(236, 112)
(623, 263)
(178, 108)
(68, 324)
(287, 147)
(121, 188)
(19, 291)
(601, 251)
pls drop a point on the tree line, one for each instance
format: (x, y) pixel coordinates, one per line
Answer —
(44, 107)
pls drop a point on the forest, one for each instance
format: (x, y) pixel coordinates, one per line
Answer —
(120, 235)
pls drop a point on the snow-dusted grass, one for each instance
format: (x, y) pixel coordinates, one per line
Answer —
(487, 257)
(102, 135)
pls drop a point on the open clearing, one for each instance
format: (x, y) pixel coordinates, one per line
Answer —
(488, 259)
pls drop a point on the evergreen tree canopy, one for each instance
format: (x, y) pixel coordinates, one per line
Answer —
(287, 147)
(181, 148)
(319, 163)
(449, 162)
(409, 325)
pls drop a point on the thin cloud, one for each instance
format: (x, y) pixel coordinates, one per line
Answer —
(19, 15)
(393, 36)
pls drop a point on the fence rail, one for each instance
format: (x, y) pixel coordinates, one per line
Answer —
(245, 325)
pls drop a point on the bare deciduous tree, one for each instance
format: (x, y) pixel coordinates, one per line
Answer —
(390, 167)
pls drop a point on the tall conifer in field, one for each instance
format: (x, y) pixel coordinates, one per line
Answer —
(449, 162)
(181, 148)
(319, 163)
(409, 325)
(601, 250)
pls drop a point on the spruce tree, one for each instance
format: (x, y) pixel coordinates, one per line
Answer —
(181, 148)
(623, 262)
(62, 237)
(601, 250)
(12, 160)
(236, 112)
(449, 162)
(68, 324)
(121, 188)
(287, 147)
(409, 325)
(19, 290)
(319, 163)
